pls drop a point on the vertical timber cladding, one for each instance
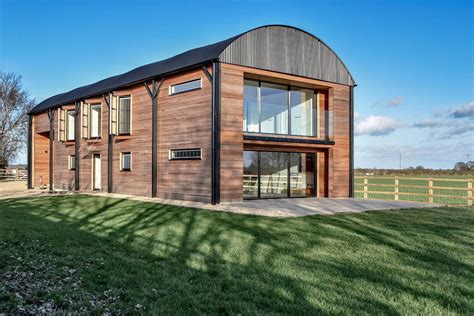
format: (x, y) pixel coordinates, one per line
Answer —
(89, 147)
(30, 153)
(232, 145)
(77, 144)
(184, 121)
(64, 179)
(137, 181)
(40, 149)
(51, 148)
(341, 151)
(334, 159)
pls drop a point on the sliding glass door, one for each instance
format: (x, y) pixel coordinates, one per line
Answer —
(279, 174)
(250, 177)
(273, 174)
(302, 174)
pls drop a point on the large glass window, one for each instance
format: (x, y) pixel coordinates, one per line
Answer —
(273, 109)
(251, 121)
(278, 174)
(71, 117)
(302, 112)
(124, 115)
(278, 109)
(250, 177)
(95, 117)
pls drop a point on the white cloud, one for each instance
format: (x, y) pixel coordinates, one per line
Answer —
(377, 126)
(430, 123)
(466, 110)
(444, 129)
(395, 101)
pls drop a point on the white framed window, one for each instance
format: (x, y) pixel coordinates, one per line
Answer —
(70, 124)
(95, 120)
(124, 115)
(185, 154)
(72, 162)
(126, 161)
(186, 86)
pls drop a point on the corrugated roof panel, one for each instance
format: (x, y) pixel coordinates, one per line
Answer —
(274, 47)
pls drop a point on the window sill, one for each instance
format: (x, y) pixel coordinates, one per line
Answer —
(123, 137)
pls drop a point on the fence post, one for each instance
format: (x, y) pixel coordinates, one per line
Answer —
(396, 188)
(469, 192)
(16, 175)
(366, 181)
(430, 190)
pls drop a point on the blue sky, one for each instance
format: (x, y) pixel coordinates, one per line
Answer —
(412, 60)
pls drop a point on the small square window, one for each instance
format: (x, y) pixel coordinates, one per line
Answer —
(126, 161)
(72, 162)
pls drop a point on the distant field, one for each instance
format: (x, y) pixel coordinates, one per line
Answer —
(444, 190)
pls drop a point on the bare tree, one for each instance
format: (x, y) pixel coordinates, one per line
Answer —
(15, 103)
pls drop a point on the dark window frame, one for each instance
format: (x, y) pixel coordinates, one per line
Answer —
(66, 125)
(129, 116)
(315, 176)
(182, 83)
(99, 128)
(185, 150)
(289, 88)
(122, 160)
(71, 159)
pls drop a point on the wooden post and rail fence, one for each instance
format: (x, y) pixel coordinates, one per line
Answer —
(431, 190)
(13, 174)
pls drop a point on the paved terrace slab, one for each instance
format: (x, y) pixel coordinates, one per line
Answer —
(290, 207)
(266, 207)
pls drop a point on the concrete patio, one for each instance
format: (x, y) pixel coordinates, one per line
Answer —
(324, 206)
(268, 207)
(290, 207)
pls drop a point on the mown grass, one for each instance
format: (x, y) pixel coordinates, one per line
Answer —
(83, 254)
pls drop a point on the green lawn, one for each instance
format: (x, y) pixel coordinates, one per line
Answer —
(84, 254)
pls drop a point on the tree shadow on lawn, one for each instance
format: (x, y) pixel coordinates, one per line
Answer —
(173, 259)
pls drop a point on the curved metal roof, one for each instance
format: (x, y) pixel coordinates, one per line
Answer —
(273, 47)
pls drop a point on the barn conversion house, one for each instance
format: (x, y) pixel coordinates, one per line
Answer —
(265, 114)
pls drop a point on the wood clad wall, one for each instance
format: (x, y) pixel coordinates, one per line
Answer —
(232, 146)
(63, 179)
(41, 159)
(89, 147)
(334, 159)
(137, 181)
(341, 151)
(41, 123)
(184, 121)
